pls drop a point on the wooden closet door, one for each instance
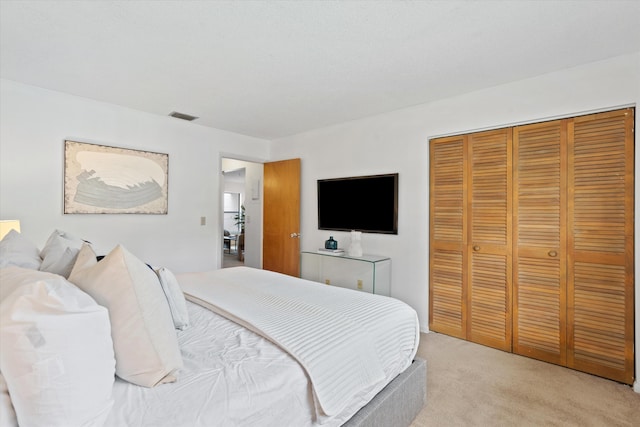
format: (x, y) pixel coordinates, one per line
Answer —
(539, 257)
(489, 248)
(600, 256)
(448, 234)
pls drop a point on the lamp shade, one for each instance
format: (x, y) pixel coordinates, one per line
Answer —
(6, 225)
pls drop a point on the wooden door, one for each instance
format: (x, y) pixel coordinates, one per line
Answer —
(600, 255)
(533, 252)
(448, 236)
(489, 207)
(281, 244)
(539, 238)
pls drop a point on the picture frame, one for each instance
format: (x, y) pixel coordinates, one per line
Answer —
(101, 179)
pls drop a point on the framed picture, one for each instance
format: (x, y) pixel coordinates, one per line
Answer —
(104, 180)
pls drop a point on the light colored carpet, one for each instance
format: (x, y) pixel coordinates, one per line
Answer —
(473, 385)
(231, 260)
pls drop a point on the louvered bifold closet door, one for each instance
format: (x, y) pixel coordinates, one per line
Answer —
(600, 264)
(447, 305)
(539, 254)
(489, 238)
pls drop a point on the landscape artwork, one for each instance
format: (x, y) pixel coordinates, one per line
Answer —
(100, 179)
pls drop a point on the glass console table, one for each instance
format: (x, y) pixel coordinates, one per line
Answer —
(369, 273)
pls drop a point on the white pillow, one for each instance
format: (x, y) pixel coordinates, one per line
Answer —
(15, 249)
(144, 338)
(175, 297)
(7, 413)
(57, 354)
(60, 252)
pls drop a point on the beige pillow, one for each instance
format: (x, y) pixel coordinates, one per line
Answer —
(144, 338)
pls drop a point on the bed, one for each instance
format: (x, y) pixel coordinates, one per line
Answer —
(258, 348)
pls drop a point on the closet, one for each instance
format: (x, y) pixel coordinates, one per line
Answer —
(531, 240)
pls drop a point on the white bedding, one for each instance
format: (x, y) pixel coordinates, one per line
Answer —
(229, 378)
(233, 377)
(320, 326)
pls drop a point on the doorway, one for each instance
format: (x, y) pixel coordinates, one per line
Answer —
(233, 218)
(281, 187)
(241, 225)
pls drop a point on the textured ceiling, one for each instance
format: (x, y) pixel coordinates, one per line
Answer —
(275, 68)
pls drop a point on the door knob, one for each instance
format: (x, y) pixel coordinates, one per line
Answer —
(294, 235)
(476, 248)
(553, 253)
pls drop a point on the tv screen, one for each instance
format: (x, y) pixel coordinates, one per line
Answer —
(364, 203)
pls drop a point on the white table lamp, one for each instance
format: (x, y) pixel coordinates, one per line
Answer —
(6, 225)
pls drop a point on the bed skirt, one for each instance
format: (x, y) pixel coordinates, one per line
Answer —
(398, 403)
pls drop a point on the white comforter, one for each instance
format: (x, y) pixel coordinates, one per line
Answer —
(233, 377)
(340, 337)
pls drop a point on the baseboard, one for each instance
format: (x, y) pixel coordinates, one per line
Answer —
(636, 386)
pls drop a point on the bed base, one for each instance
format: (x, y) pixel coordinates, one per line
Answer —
(398, 403)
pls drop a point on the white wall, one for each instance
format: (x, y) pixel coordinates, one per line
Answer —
(33, 126)
(399, 142)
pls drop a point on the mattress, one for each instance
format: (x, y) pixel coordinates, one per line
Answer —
(233, 376)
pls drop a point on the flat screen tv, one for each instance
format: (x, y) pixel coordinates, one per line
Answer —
(364, 203)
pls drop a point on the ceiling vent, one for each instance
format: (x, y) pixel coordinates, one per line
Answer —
(182, 116)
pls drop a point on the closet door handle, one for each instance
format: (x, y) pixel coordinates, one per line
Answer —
(553, 253)
(476, 248)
